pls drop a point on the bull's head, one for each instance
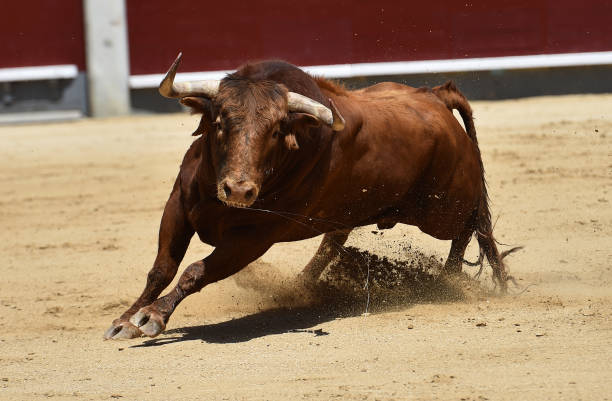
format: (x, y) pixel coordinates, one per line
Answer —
(249, 122)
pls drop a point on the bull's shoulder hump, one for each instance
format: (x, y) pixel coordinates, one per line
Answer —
(387, 87)
(391, 93)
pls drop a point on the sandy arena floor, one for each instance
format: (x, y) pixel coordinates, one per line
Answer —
(80, 205)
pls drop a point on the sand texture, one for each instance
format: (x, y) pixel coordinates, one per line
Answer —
(80, 205)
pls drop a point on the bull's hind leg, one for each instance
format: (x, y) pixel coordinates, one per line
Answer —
(225, 260)
(328, 250)
(174, 236)
(454, 261)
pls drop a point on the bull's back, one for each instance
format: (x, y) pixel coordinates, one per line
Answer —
(410, 147)
(410, 127)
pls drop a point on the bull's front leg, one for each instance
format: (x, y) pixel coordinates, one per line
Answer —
(227, 259)
(174, 235)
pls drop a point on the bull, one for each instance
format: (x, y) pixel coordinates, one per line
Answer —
(284, 156)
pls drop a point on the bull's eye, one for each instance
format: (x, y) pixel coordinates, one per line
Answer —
(275, 134)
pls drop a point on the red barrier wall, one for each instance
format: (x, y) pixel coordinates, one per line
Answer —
(223, 34)
(42, 32)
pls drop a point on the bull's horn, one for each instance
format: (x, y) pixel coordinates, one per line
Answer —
(301, 103)
(168, 88)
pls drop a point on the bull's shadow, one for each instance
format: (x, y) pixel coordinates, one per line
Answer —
(393, 285)
(261, 324)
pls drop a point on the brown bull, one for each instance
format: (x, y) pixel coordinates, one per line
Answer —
(284, 156)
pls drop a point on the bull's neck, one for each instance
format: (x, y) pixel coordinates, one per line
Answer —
(294, 169)
(301, 174)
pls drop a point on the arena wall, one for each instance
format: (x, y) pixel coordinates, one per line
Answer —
(480, 43)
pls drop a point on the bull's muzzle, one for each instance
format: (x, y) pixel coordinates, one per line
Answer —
(237, 193)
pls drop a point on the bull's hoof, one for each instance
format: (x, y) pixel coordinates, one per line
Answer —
(149, 321)
(122, 331)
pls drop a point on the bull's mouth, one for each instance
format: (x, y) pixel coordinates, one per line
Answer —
(237, 205)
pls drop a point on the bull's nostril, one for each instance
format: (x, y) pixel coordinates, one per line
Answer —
(227, 190)
(248, 194)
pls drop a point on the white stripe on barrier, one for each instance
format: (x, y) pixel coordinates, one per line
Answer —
(153, 80)
(411, 67)
(67, 71)
(30, 117)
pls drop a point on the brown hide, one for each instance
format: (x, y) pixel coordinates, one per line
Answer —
(401, 158)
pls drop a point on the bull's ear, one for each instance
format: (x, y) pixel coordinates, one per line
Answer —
(294, 125)
(200, 105)
(300, 121)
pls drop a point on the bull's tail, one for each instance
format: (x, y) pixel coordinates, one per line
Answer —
(483, 228)
(454, 99)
